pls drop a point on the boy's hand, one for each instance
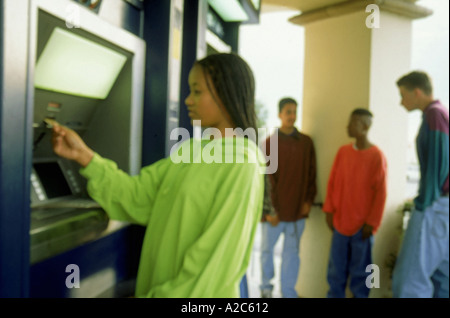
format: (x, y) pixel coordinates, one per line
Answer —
(306, 208)
(367, 231)
(273, 220)
(330, 221)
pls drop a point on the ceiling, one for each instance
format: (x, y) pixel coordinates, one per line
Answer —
(299, 5)
(302, 5)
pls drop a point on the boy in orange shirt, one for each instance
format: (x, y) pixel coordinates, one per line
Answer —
(354, 205)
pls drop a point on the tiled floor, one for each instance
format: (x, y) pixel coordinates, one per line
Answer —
(254, 269)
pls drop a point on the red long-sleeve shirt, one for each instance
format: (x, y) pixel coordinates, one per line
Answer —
(356, 191)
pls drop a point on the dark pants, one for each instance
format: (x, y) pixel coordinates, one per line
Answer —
(349, 256)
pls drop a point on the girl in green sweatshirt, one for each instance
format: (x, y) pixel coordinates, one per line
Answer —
(201, 214)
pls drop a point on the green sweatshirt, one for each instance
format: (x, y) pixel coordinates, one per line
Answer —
(201, 217)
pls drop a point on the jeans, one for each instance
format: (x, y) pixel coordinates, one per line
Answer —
(422, 266)
(290, 259)
(349, 256)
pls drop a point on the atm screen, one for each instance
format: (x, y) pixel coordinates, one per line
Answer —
(75, 65)
(52, 179)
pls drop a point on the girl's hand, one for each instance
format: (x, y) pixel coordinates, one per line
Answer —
(68, 144)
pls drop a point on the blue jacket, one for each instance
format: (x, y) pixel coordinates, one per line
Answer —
(433, 150)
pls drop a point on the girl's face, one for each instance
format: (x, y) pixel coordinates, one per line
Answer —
(201, 104)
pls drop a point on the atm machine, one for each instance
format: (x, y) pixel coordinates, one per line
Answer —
(88, 75)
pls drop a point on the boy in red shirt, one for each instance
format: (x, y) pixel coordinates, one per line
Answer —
(354, 205)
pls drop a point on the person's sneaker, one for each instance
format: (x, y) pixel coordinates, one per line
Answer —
(266, 294)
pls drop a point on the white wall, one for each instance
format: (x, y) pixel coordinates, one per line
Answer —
(274, 51)
(390, 58)
(336, 81)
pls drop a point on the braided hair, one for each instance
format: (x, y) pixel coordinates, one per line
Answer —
(234, 84)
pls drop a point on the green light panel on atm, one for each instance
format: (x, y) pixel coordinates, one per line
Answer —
(256, 4)
(229, 10)
(74, 65)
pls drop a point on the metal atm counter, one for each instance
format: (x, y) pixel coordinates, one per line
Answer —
(61, 217)
(87, 75)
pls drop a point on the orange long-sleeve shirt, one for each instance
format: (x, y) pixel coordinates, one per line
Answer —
(356, 191)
